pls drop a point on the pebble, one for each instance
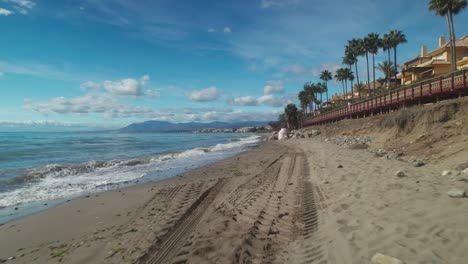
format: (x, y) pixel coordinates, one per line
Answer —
(446, 172)
(456, 193)
(273, 230)
(379, 258)
(400, 174)
(418, 163)
(463, 178)
(462, 166)
(340, 166)
(347, 141)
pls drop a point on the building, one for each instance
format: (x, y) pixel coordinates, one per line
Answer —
(435, 63)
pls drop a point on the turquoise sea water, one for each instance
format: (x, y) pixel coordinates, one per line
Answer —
(37, 168)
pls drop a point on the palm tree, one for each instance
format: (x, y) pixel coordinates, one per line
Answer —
(373, 41)
(310, 89)
(366, 48)
(321, 88)
(291, 115)
(349, 59)
(347, 75)
(386, 69)
(303, 100)
(339, 76)
(326, 76)
(397, 37)
(448, 8)
(359, 87)
(355, 48)
(386, 44)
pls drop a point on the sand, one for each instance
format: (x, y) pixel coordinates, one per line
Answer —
(282, 202)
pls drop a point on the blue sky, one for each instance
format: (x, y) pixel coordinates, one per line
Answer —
(108, 63)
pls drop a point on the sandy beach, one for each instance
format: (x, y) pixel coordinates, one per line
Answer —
(294, 201)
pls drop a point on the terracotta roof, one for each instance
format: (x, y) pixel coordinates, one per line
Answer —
(461, 42)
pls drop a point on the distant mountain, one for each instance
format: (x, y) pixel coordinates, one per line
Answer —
(164, 126)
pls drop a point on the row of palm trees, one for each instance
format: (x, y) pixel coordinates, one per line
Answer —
(356, 47)
(370, 45)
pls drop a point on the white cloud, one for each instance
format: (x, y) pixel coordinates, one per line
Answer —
(205, 95)
(332, 67)
(23, 3)
(295, 69)
(107, 105)
(152, 93)
(92, 102)
(227, 30)
(270, 100)
(34, 69)
(127, 86)
(273, 87)
(5, 12)
(277, 3)
(265, 100)
(90, 85)
(244, 101)
(211, 30)
(22, 6)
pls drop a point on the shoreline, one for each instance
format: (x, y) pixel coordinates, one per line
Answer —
(11, 213)
(293, 201)
(109, 208)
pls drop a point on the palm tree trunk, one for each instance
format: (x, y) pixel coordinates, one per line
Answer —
(321, 101)
(396, 65)
(342, 85)
(352, 93)
(326, 85)
(368, 75)
(357, 79)
(389, 69)
(452, 42)
(346, 89)
(373, 73)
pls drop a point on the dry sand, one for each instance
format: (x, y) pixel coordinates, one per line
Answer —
(295, 201)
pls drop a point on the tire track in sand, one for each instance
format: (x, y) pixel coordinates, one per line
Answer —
(168, 246)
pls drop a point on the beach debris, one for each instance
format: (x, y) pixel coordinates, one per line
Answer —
(273, 230)
(446, 172)
(416, 162)
(463, 178)
(378, 152)
(456, 193)
(462, 166)
(348, 141)
(340, 166)
(379, 258)
(400, 174)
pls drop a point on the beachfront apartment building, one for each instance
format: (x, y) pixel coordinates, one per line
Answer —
(435, 63)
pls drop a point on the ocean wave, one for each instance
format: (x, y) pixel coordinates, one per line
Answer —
(55, 181)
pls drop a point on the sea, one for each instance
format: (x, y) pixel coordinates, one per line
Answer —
(41, 170)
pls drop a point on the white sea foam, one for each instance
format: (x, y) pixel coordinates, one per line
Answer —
(57, 181)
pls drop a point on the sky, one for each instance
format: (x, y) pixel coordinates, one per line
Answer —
(103, 64)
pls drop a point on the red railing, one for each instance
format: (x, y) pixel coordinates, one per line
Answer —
(445, 84)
